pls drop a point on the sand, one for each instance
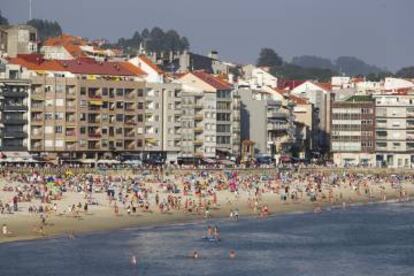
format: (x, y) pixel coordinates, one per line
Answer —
(24, 226)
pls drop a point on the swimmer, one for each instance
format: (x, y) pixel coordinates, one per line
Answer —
(232, 254)
(195, 255)
(133, 260)
(209, 231)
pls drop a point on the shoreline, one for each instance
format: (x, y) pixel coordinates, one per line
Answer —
(154, 221)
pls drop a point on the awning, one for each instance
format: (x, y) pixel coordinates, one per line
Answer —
(103, 161)
(96, 102)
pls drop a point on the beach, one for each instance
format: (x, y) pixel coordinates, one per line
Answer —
(24, 225)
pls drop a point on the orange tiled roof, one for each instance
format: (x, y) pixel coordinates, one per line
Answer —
(132, 68)
(36, 62)
(70, 42)
(79, 66)
(151, 64)
(324, 85)
(298, 100)
(211, 80)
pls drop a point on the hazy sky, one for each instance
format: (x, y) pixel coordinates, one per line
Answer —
(378, 31)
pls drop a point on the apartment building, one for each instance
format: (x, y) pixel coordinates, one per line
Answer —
(84, 109)
(163, 112)
(13, 114)
(265, 122)
(319, 94)
(21, 39)
(394, 137)
(215, 129)
(353, 131)
(3, 40)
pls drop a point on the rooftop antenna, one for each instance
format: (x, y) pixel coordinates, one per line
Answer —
(30, 10)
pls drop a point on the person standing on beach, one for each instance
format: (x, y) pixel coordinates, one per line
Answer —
(4, 230)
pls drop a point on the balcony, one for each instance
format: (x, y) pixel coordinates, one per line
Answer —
(37, 146)
(14, 121)
(94, 135)
(94, 97)
(71, 94)
(130, 134)
(15, 108)
(277, 115)
(198, 129)
(38, 96)
(36, 106)
(14, 134)
(198, 117)
(198, 142)
(70, 147)
(277, 126)
(14, 148)
(70, 133)
(11, 94)
(36, 133)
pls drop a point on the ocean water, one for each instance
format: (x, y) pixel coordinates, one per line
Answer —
(371, 240)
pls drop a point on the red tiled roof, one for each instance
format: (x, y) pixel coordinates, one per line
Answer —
(79, 66)
(298, 100)
(36, 62)
(90, 66)
(282, 92)
(151, 64)
(290, 84)
(211, 80)
(69, 42)
(324, 85)
(132, 68)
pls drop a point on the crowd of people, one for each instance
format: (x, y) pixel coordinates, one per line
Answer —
(189, 192)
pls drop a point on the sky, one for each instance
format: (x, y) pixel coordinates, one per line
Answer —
(377, 31)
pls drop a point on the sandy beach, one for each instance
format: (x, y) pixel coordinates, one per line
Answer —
(23, 225)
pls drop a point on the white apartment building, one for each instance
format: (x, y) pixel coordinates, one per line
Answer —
(394, 137)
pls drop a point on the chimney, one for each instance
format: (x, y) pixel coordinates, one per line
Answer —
(213, 54)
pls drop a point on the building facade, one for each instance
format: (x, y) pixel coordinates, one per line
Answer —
(394, 138)
(353, 131)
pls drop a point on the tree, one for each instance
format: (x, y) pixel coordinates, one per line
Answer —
(353, 66)
(268, 57)
(3, 20)
(406, 72)
(45, 28)
(313, 62)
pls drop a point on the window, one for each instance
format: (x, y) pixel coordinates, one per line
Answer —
(48, 129)
(83, 91)
(140, 92)
(119, 92)
(58, 129)
(140, 105)
(48, 116)
(59, 143)
(119, 117)
(82, 130)
(60, 102)
(118, 130)
(105, 92)
(49, 143)
(58, 116)
(140, 118)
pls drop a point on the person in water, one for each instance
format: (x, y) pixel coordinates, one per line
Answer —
(216, 233)
(209, 231)
(195, 255)
(232, 254)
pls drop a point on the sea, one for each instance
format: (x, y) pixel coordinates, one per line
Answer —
(367, 240)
